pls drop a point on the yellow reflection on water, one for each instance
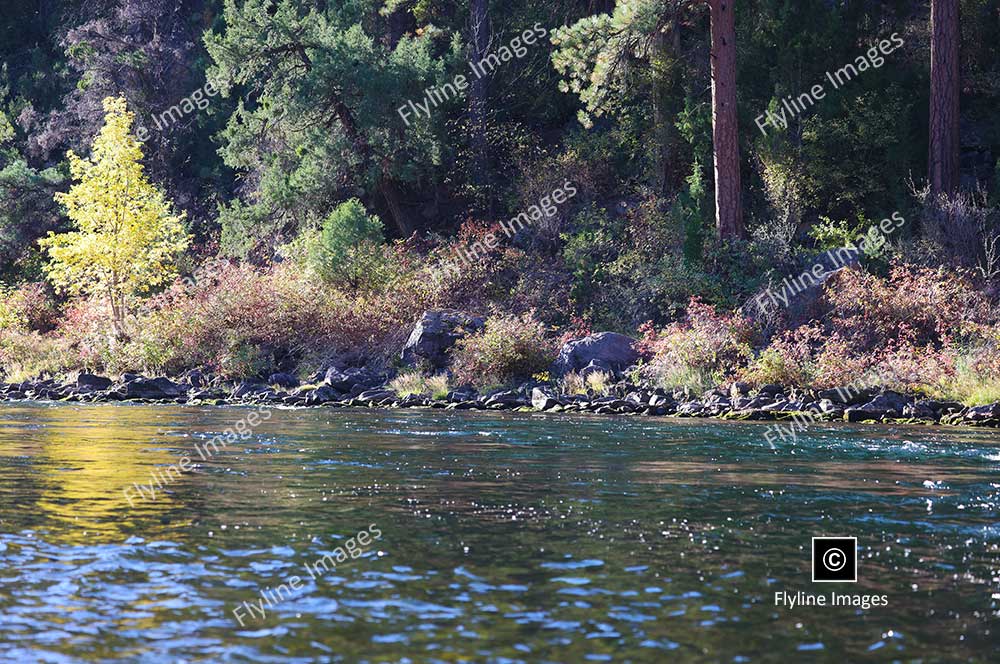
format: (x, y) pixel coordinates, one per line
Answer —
(91, 456)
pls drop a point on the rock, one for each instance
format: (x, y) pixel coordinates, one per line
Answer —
(150, 388)
(608, 349)
(349, 379)
(690, 409)
(886, 405)
(376, 395)
(771, 390)
(508, 398)
(888, 402)
(462, 394)
(542, 400)
(196, 378)
(923, 409)
(596, 366)
(848, 396)
(248, 388)
(658, 400)
(983, 413)
(87, 381)
(737, 390)
(605, 351)
(205, 395)
(435, 333)
(283, 380)
(321, 394)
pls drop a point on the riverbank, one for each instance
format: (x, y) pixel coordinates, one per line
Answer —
(360, 388)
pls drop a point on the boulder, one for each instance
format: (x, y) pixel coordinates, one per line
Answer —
(983, 413)
(321, 394)
(283, 380)
(87, 381)
(542, 400)
(596, 366)
(435, 333)
(887, 404)
(151, 388)
(351, 379)
(247, 388)
(609, 350)
(848, 396)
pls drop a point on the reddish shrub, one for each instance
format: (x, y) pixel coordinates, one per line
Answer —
(704, 349)
(914, 304)
(509, 348)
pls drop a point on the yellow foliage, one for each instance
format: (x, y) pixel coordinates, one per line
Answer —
(126, 235)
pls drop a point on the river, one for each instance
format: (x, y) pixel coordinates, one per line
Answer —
(500, 538)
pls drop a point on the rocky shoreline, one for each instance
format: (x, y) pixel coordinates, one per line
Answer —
(364, 388)
(613, 355)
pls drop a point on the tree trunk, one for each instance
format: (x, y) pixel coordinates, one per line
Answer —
(942, 163)
(662, 119)
(480, 29)
(394, 201)
(725, 131)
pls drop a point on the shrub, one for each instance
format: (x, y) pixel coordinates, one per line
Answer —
(507, 349)
(27, 354)
(703, 350)
(597, 382)
(916, 304)
(789, 360)
(573, 383)
(348, 250)
(27, 307)
(415, 382)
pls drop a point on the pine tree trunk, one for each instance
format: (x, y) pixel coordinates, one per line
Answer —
(394, 201)
(942, 163)
(725, 130)
(480, 29)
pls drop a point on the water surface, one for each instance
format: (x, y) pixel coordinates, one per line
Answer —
(504, 538)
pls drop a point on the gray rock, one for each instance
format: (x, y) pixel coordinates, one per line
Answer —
(737, 390)
(848, 396)
(283, 380)
(658, 400)
(150, 388)
(771, 390)
(247, 388)
(597, 366)
(347, 380)
(608, 349)
(376, 395)
(508, 398)
(434, 335)
(542, 399)
(923, 409)
(983, 413)
(322, 394)
(888, 402)
(87, 381)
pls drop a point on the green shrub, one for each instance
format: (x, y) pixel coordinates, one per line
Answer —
(348, 249)
(508, 348)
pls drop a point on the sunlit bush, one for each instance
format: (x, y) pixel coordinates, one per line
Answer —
(509, 348)
(702, 350)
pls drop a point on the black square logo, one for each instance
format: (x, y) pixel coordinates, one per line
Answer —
(835, 559)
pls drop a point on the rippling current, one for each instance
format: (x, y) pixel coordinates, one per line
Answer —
(504, 538)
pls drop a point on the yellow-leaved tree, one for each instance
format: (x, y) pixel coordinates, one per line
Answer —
(126, 237)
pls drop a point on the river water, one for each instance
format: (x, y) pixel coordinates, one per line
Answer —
(501, 538)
